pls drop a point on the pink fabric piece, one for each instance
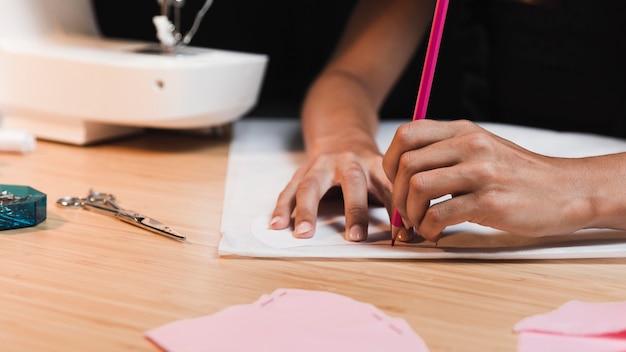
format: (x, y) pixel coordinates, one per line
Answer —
(579, 318)
(291, 320)
(542, 342)
(575, 326)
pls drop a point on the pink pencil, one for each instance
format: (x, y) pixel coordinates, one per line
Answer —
(426, 82)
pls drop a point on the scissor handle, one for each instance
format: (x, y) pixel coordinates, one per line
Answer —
(100, 197)
(71, 201)
(92, 197)
(104, 202)
(98, 201)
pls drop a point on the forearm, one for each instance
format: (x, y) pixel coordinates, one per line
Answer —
(337, 109)
(377, 44)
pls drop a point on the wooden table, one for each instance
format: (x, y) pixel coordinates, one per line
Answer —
(81, 281)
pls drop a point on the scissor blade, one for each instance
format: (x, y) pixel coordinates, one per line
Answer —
(150, 224)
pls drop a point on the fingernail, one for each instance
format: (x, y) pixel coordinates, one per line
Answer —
(275, 220)
(356, 233)
(405, 235)
(303, 230)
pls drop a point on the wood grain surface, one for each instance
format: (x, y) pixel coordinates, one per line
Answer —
(82, 281)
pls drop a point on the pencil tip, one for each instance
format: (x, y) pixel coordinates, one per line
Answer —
(394, 234)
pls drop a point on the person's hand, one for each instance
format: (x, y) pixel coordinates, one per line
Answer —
(350, 161)
(340, 116)
(492, 181)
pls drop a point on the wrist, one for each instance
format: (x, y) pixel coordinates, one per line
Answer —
(604, 187)
(341, 140)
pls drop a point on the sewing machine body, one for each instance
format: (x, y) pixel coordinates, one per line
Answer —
(63, 81)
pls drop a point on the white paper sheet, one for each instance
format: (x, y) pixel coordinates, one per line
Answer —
(265, 153)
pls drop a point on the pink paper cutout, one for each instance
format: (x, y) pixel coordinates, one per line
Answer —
(291, 320)
(545, 342)
(575, 326)
(579, 318)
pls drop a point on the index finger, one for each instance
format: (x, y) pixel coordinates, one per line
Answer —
(419, 134)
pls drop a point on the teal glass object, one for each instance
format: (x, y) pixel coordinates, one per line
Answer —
(21, 206)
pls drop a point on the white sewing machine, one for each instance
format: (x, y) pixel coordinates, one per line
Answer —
(62, 81)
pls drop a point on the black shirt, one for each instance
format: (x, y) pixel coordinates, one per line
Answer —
(558, 64)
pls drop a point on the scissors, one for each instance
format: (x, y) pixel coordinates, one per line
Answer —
(104, 203)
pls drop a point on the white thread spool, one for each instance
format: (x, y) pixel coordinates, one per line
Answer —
(16, 141)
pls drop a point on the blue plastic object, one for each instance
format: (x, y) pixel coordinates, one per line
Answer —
(21, 206)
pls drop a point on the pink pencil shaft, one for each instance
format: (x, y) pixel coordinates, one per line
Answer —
(428, 73)
(432, 52)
